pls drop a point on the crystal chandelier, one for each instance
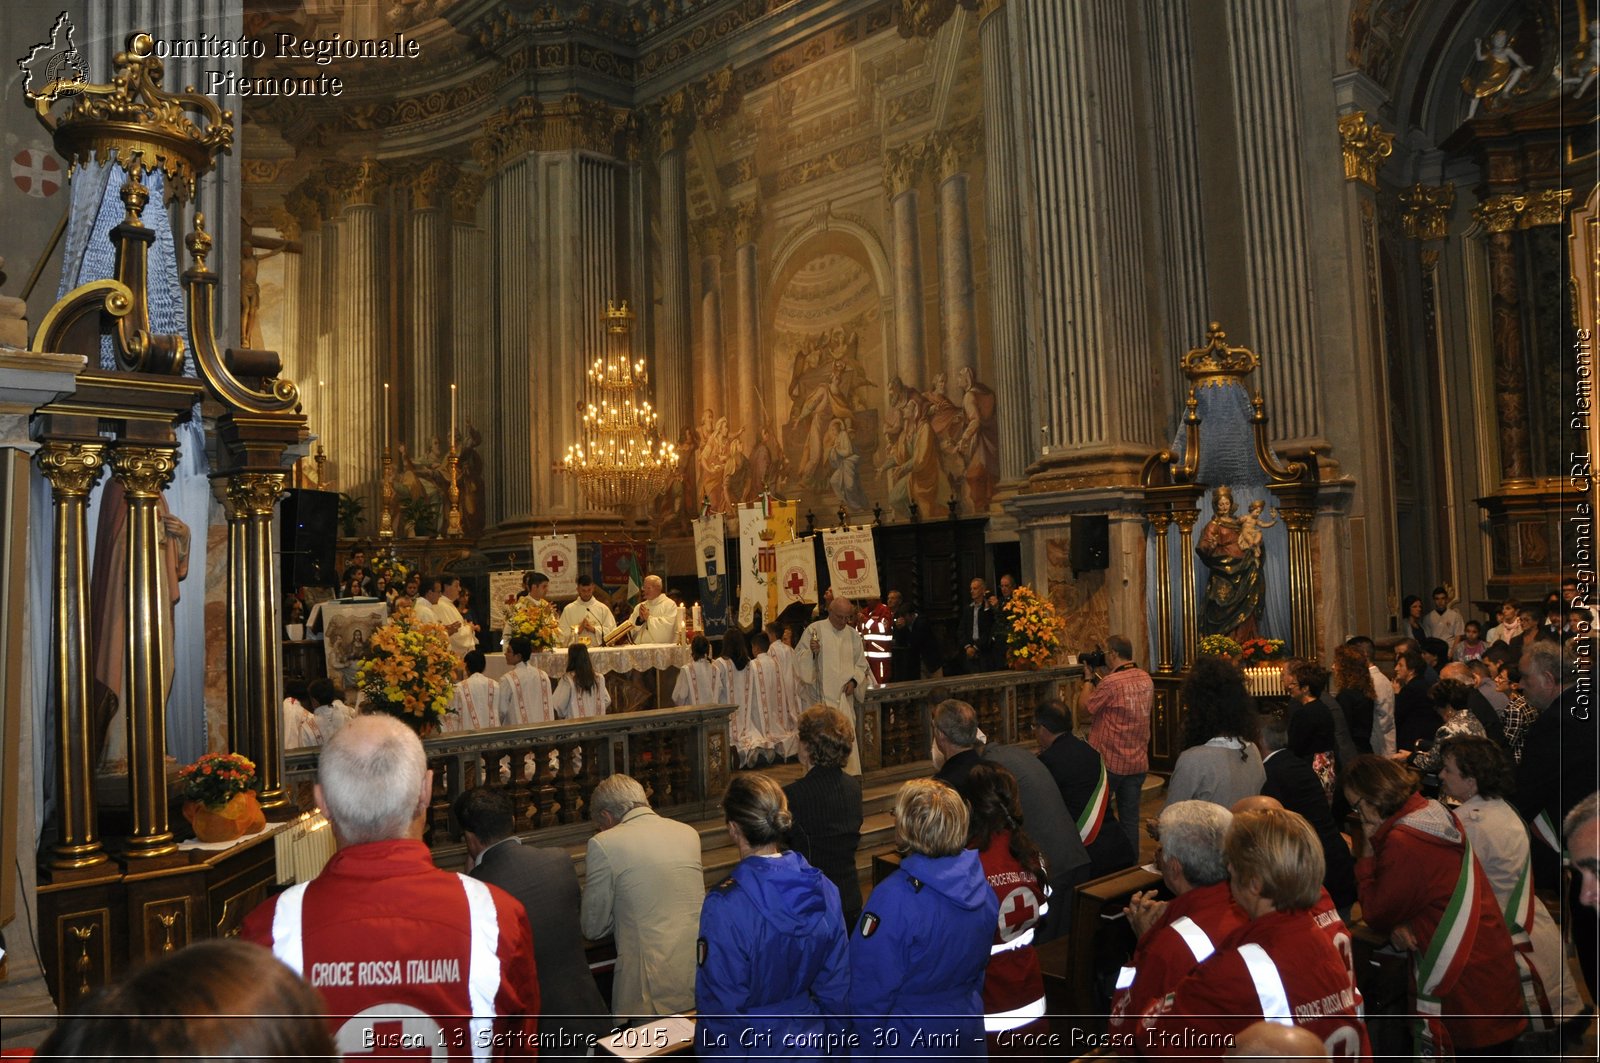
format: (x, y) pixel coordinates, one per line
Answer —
(620, 460)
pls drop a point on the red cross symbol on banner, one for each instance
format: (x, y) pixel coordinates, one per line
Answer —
(851, 564)
(391, 1040)
(1016, 912)
(36, 172)
(795, 581)
(553, 562)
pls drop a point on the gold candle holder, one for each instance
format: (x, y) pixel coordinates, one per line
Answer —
(452, 523)
(386, 500)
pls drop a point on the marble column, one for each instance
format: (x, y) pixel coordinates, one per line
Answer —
(511, 486)
(358, 369)
(674, 372)
(255, 717)
(1499, 215)
(901, 168)
(1002, 214)
(747, 374)
(428, 395)
(297, 361)
(472, 364)
(710, 362)
(958, 317)
(1262, 59)
(311, 282)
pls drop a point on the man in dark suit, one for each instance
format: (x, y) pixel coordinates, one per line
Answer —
(1294, 785)
(1415, 718)
(977, 641)
(1079, 773)
(912, 649)
(544, 880)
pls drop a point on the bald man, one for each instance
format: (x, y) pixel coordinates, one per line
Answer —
(832, 657)
(655, 619)
(1274, 1041)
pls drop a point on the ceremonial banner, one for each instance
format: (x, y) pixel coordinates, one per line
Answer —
(503, 590)
(752, 573)
(557, 557)
(852, 562)
(613, 563)
(711, 561)
(346, 628)
(797, 573)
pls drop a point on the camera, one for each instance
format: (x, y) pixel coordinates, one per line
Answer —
(1095, 658)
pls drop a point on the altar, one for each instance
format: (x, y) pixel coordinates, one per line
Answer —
(637, 677)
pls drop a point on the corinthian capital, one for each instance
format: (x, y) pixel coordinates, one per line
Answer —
(901, 165)
(431, 184)
(143, 470)
(254, 493)
(1365, 146)
(71, 468)
(922, 18)
(746, 218)
(1426, 211)
(1499, 214)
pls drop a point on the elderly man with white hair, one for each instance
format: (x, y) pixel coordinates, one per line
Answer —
(406, 956)
(655, 618)
(1177, 936)
(832, 658)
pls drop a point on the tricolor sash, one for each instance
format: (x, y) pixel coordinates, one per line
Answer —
(1094, 810)
(1519, 920)
(1547, 831)
(1439, 968)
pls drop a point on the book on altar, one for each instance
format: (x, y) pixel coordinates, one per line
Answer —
(620, 633)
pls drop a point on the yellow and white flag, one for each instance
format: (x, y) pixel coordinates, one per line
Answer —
(763, 525)
(852, 562)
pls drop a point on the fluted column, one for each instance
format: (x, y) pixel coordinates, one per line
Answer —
(72, 468)
(511, 488)
(1002, 211)
(901, 167)
(472, 365)
(1277, 247)
(310, 283)
(673, 373)
(747, 377)
(251, 499)
(1087, 250)
(957, 301)
(144, 470)
(429, 398)
(1498, 214)
(327, 347)
(358, 365)
(297, 359)
(710, 363)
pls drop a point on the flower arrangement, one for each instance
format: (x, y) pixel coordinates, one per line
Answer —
(217, 778)
(535, 620)
(1033, 629)
(389, 568)
(409, 671)
(1220, 646)
(1260, 651)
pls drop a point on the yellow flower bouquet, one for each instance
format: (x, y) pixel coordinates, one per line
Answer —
(1033, 629)
(409, 671)
(535, 620)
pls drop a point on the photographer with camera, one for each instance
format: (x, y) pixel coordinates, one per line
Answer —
(1119, 706)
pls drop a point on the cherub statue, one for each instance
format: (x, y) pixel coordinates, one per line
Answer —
(1588, 62)
(1504, 72)
(1250, 526)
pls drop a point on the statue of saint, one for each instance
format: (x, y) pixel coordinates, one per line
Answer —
(1232, 550)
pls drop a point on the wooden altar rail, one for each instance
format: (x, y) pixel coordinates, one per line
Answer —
(895, 727)
(679, 756)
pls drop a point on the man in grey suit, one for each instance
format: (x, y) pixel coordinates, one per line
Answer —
(644, 884)
(573, 1014)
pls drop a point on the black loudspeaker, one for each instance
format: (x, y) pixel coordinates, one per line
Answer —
(308, 528)
(1091, 543)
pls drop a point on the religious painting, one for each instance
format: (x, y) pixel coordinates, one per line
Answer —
(346, 630)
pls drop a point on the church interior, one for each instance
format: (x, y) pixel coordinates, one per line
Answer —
(1083, 293)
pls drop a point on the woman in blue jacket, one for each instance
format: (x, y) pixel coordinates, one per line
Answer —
(918, 955)
(774, 975)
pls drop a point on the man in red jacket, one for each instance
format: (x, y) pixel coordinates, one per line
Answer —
(409, 958)
(1176, 936)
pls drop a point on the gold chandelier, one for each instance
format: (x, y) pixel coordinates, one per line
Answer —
(620, 460)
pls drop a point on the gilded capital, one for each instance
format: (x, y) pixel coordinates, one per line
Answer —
(143, 470)
(1546, 207)
(1365, 146)
(254, 493)
(1499, 214)
(71, 468)
(430, 184)
(901, 165)
(1426, 211)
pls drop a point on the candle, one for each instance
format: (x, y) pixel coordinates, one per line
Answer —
(452, 418)
(322, 408)
(386, 420)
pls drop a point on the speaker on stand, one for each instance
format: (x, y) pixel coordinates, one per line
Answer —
(308, 530)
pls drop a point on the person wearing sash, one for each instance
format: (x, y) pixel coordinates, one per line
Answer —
(1085, 785)
(1477, 773)
(524, 695)
(1419, 882)
(582, 691)
(700, 681)
(1279, 966)
(472, 706)
(1176, 936)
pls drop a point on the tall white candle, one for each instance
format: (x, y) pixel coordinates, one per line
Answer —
(452, 417)
(386, 420)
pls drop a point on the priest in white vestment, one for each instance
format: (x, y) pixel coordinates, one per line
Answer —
(524, 695)
(475, 698)
(299, 725)
(832, 656)
(700, 682)
(655, 619)
(586, 615)
(463, 639)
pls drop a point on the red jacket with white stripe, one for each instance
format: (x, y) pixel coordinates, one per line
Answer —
(1281, 967)
(408, 957)
(1013, 985)
(1167, 953)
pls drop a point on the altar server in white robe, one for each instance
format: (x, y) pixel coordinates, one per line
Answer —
(700, 682)
(332, 713)
(582, 691)
(832, 656)
(746, 732)
(474, 700)
(463, 638)
(775, 723)
(299, 725)
(788, 720)
(524, 695)
(586, 615)
(655, 619)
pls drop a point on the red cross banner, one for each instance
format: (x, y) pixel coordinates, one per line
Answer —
(557, 557)
(796, 572)
(36, 172)
(852, 562)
